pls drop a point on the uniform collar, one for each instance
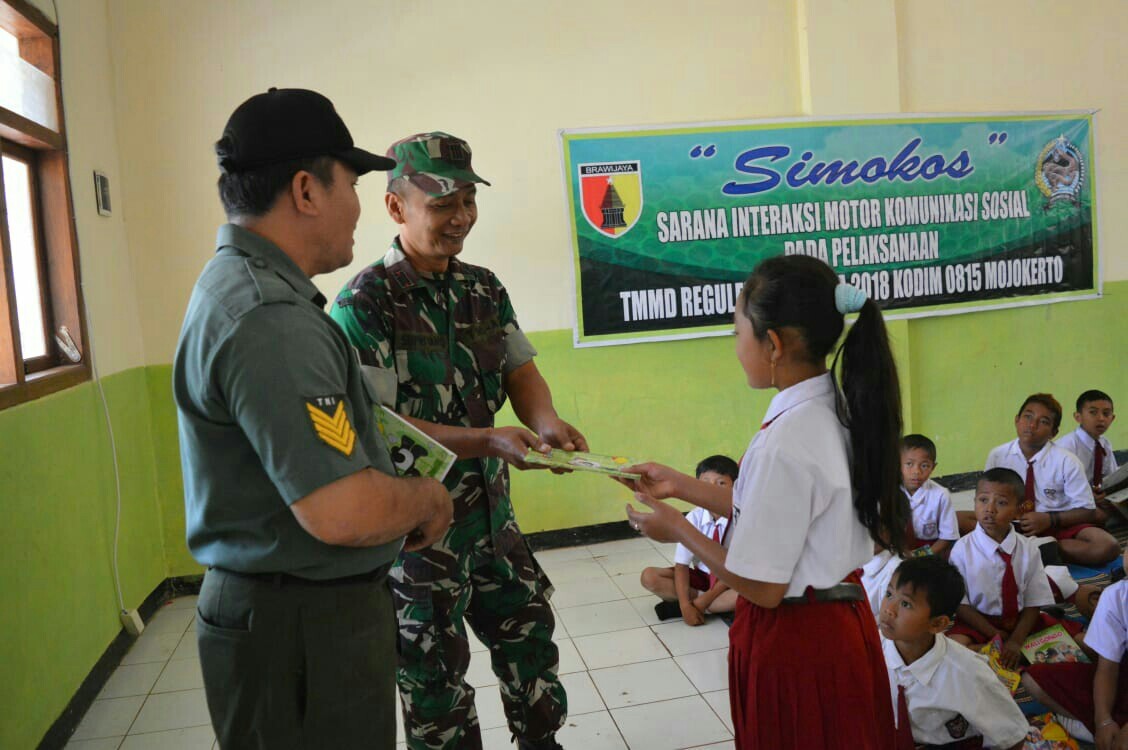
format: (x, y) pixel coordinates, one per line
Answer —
(987, 545)
(265, 254)
(1016, 450)
(923, 668)
(1086, 439)
(819, 386)
(402, 276)
(916, 498)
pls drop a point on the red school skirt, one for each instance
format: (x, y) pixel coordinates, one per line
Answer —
(809, 676)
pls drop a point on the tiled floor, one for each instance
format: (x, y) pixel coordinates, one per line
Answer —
(632, 682)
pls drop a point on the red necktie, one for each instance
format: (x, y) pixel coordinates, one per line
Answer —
(1098, 465)
(1028, 499)
(1010, 589)
(904, 726)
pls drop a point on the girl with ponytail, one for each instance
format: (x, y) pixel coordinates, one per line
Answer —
(818, 486)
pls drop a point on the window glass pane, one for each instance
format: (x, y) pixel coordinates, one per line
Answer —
(25, 263)
(24, 88)
(9, 43)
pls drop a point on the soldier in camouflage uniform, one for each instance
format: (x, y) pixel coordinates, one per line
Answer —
(439, 340)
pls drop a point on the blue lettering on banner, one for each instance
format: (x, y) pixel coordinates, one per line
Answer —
(905, 166)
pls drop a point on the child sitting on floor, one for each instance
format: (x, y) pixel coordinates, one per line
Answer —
(1057, 500)
(688, 588)
(1094, 416)
(943, 694)
(1094, 694)
(934, 520)
(1006, 582)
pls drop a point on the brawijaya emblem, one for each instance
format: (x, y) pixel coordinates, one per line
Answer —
(1060, 172)
(611, 195)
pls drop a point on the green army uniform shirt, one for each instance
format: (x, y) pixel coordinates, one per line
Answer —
(437, 347)
(272, 405)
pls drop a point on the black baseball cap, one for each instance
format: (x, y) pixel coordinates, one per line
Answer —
(287, 124)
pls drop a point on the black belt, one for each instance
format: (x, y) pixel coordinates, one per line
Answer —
(840, 592)
(278, 580)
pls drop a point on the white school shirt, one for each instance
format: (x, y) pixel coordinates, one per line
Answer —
(1108, 631)
(978, 561)
(952, 694)
(1061, 577)
(1082, 444)
(793, 515)
(1059, 478)
(702, 520)
(933, 514)
(876, 575)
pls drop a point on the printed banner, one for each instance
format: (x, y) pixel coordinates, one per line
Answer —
(927, 215)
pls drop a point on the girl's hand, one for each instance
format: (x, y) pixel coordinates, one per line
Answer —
(655, 480)
(1107, 737)
(663, 525)
(1121, 742)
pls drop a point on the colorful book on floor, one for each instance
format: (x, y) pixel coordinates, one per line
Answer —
(1052, 645)
(414, 452)
(577, 461)
(994, 652)
(1047, 734)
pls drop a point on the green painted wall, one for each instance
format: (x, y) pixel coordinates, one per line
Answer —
(58, 608)
(677, 402)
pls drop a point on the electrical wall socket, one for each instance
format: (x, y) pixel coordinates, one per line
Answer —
(131, 620)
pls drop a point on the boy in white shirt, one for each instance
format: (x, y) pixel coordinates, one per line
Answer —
(1094, 416)
(1094, 694)
(1057, 500)
(1006, 582)
(942, 693)
(688, 588)
(934, 520)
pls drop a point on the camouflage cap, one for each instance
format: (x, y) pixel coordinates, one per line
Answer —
(436, 163)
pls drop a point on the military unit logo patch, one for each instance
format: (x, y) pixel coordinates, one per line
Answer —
(611, 195)
(331, 422)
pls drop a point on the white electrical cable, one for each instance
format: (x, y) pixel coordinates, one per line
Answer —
(101, 393)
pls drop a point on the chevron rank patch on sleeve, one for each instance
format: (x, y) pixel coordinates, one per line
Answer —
(331, 422)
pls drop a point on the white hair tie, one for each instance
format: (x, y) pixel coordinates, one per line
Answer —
(848, 298)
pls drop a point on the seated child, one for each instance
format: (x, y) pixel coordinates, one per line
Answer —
(688, 588)
(1094, 694)
(1057, 499)
(1006, 582)
(1094, 415)
(950, 695)
(934, 520)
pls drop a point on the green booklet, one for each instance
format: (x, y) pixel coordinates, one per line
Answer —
(414, 452)
(576, 461)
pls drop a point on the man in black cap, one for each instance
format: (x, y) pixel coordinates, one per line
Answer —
(291, 498)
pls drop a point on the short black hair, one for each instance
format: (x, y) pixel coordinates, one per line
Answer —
(253, 192)
(915, 442)
(1047, 400)
(1009, 477)
(718, 464)
(941, 582)
(1092, 395)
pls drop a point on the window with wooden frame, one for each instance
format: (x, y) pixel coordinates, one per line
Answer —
(43, 336)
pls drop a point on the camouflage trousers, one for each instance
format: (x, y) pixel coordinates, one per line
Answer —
(505, 602)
